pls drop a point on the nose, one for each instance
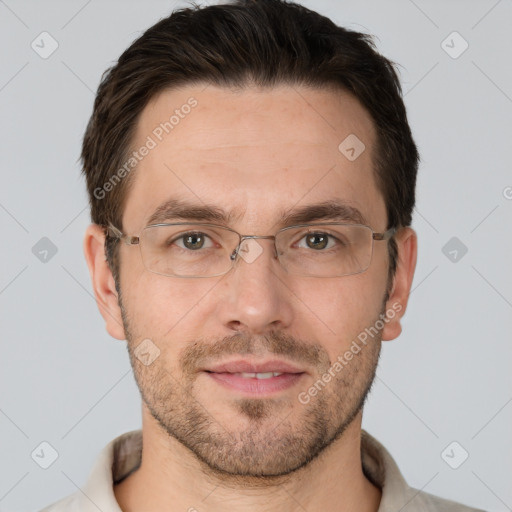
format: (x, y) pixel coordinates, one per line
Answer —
(256, 296)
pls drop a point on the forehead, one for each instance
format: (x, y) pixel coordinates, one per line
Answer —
(254, 153)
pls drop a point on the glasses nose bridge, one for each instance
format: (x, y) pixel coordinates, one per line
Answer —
(252, 237)
(245, 237)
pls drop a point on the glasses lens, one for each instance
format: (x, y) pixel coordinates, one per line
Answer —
(187, 250)
(325, 250)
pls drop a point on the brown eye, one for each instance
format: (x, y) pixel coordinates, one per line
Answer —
(317, 240)
(192, 241)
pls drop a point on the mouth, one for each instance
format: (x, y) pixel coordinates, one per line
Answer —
(252, 375)
(256, 379)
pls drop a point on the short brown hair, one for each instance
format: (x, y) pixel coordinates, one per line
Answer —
(258, 42)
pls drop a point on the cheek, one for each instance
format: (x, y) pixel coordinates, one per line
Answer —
(342, 308)
(158, 306)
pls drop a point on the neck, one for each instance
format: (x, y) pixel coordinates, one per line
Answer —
(170, 474)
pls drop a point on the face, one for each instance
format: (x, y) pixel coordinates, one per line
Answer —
(254, 154)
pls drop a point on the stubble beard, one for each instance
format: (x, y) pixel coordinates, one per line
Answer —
(268, 439)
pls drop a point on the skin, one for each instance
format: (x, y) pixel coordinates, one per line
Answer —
(256, 151)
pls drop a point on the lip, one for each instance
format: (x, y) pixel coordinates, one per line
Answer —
(245, 366)
(253, 386)
(228, 376)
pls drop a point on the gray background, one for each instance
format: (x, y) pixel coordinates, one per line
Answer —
(447, 378)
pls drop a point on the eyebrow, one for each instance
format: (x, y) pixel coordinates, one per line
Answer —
(182, 210)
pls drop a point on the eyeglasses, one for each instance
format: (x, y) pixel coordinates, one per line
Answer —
(207, 250)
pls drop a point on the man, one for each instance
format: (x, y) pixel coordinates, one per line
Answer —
(252, 177)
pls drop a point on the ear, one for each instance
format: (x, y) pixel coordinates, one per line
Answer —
(103, 281)
(407, 245)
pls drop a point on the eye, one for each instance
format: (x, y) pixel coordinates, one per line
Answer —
(318, 241)
(193, 241)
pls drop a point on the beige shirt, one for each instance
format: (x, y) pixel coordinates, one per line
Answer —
(123, 455)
